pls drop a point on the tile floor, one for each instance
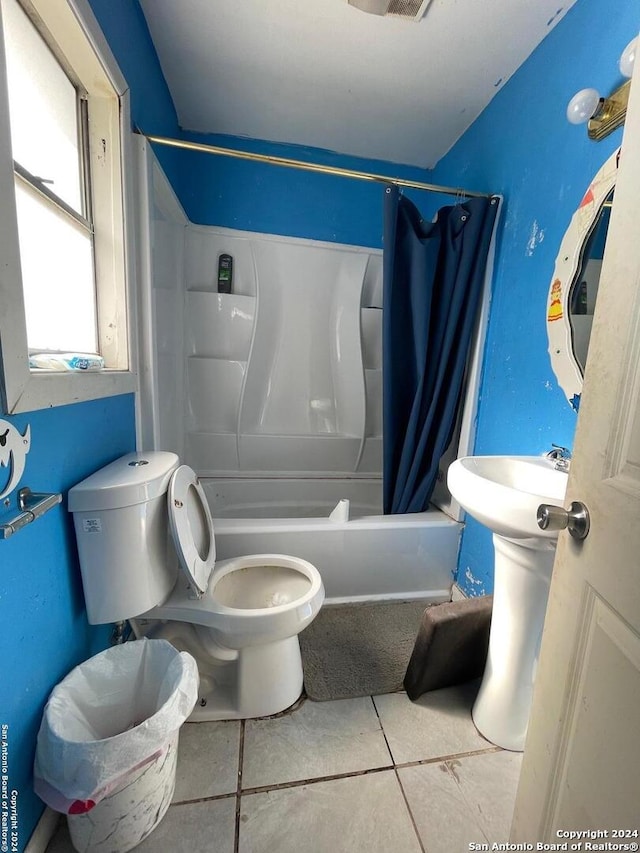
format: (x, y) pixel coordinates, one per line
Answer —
(379, 774)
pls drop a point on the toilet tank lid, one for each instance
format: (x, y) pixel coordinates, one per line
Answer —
(132, 479)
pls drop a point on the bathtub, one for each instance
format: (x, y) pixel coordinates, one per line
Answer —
(338, 526)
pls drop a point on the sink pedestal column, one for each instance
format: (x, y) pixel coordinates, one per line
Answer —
(521, 588)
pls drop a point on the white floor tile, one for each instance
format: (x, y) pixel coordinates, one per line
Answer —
(441, 814)
(192, 828)
(437, 724)
(489, 783)
(353, 815)
(195, 828)
(207, 760)
(317, 739)
(463, 800)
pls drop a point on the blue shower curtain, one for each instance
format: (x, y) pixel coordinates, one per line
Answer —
(433, 277)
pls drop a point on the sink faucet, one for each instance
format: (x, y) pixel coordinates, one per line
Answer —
(561, 456)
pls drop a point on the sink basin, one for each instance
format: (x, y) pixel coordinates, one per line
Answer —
(504, 492)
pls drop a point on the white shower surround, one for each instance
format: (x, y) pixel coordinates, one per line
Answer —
(277, 378)
(223, 385)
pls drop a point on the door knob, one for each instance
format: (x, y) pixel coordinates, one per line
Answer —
(575, 519)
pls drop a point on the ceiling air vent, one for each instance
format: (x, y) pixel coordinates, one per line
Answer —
(412, 10)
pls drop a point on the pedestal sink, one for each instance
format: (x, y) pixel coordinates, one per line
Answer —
(503, 493)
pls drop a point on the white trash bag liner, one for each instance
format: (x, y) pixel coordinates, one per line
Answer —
(109, 717)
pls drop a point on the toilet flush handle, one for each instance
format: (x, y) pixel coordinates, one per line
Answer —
(575, 519)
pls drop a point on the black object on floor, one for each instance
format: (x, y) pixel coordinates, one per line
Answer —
(451, 646)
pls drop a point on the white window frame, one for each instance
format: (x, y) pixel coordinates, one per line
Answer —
(73, 26)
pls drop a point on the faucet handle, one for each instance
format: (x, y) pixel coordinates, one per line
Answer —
(558, 452)
(561, 457)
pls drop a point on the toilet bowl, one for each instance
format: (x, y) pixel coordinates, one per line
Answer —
(243, 633)
(147, 554)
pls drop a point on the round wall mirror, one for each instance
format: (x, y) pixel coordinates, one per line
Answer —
(574, 286)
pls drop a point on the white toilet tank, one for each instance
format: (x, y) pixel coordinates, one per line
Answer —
(127, 559)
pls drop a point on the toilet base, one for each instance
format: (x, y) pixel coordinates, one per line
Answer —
(256, 681)
(268, 679)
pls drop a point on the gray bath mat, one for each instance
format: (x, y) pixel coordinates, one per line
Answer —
(354, 650)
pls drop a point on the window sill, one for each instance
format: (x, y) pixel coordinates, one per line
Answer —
(47, 388)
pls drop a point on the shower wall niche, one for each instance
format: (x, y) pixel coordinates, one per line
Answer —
(283, 374)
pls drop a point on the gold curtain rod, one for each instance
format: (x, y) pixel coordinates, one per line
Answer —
(312, 167)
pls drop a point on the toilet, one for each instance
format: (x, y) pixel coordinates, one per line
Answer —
(147, 554)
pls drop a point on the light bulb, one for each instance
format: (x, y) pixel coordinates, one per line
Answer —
(627, 58)
(583, 105)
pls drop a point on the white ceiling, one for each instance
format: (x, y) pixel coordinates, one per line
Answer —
(323, 73)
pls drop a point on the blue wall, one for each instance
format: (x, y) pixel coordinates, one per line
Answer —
(523, 147)
(152, 110)
(277, 200)
(44, 627)
(45, 631)
(125, 29)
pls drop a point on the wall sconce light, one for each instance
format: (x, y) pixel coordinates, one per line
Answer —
(604, 114)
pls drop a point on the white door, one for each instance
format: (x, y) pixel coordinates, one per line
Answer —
(581, 768)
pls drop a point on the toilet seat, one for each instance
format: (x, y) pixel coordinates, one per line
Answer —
(191, 527)
(238, 627)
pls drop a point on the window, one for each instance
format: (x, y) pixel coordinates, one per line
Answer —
(47, 112)
(64, 287)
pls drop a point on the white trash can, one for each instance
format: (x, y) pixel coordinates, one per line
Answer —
(108, 742)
